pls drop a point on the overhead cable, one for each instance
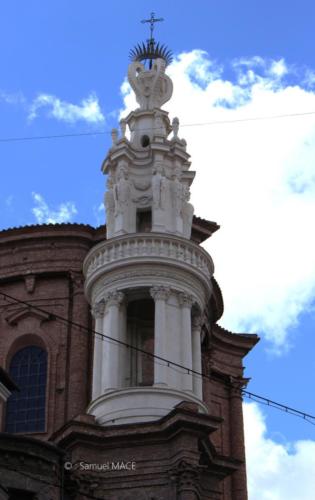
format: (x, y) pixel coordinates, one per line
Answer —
(255, 397)
(198, 124)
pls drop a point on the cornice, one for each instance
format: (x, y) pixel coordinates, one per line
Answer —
(241, 342)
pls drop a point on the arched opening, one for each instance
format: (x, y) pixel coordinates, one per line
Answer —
(140, 331)
(145, 141)
(26, 408)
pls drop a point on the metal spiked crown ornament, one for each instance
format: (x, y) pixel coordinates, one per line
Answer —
(151, 50)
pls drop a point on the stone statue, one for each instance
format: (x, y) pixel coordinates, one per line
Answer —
(153, 87)
(175, 127)
(159, 187)
(123, 125)
(114, 134)
(122, 192)
(177, 192)
(109, 202)
(187, 213)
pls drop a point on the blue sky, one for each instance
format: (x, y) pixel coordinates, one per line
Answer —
(63, 65)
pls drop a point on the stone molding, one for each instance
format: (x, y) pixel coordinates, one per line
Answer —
(156, 247)
(148, 276)
(139, 404)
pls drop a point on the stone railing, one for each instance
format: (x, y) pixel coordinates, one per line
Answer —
(149, 245)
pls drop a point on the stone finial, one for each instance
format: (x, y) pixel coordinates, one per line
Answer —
(114, 134)
(153, 87)
(175, 127)
(123, 125)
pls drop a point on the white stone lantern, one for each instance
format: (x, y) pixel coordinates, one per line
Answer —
(148, 284)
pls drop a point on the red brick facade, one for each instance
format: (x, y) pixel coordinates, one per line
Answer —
(182, 456)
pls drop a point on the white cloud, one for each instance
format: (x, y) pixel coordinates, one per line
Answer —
(256, 179)
(309, 79)
(88, 110)
(99, 214)
(12, 98)
(276, 471)
(46, 215)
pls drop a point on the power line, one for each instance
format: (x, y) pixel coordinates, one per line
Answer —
(278, 406)
(57, 136)
(255, 397)
(200, 124)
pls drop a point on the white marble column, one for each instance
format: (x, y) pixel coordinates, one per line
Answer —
(98, 314)
(123, 351)
(186, 302)
(160, 295)
(111, 349)
(196, 354)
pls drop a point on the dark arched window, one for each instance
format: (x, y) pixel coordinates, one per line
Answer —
(26, 408)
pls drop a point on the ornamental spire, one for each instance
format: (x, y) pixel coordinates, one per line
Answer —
(151, 50)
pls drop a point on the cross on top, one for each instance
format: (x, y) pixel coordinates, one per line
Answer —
(152, 20)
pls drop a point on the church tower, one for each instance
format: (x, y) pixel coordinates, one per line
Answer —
(175, 435)
(148, 283)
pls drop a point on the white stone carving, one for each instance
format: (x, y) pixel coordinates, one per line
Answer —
(122, 192)
(142, 184)
(185, 299)
(147, 173)
(187, 213)
(123, 126)
(146, 275)
(98, 309)
(114, 134)
(160, 292)
(175, 127)
(114, 298)
(161, 246)
(109, 202)
(159, 187)
(159, 127)
(177, 192)
(153, 88)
